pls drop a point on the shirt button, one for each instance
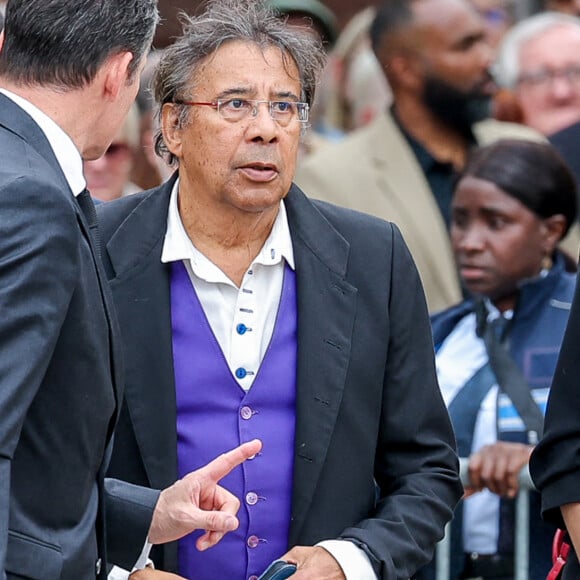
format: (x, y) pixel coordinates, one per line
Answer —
(253, 541)
(251, 498)
(241, 329)
(241, 373)
(246, 413)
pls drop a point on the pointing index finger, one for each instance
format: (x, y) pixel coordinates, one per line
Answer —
(222, 465)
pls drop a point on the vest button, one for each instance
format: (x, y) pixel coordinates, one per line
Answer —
(253, 541)
(251, 498)
(246, 412)
(241, 373)
(253, 577)
(241, 329)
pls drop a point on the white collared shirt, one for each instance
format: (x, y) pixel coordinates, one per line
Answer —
(252, 307)
(65, 151)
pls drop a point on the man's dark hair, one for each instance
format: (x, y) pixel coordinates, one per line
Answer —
(63, 43)
(391, 16)
(533, 173)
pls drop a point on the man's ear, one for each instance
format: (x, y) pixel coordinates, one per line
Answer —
(116, 74)
(170, 127)
(1, 39)
(408, 69)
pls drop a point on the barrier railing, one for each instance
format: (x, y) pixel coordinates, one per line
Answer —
(522, 531)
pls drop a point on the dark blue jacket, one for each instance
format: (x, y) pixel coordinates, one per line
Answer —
(536, 333)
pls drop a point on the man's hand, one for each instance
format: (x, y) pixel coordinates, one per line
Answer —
(314, 563)
(197, 502)
(151, 574)
(497, 467)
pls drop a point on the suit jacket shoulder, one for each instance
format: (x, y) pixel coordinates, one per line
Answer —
(490, 130)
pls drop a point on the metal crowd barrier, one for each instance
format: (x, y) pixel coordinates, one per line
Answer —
(522, 531)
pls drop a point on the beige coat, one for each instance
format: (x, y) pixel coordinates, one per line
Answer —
(375, 171)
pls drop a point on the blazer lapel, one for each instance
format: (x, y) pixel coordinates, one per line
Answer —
(141, 290)
(390, 148)
(326, 311)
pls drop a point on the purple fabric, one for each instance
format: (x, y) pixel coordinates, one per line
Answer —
(214, 414)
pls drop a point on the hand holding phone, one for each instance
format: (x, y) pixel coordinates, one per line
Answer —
(278, 570)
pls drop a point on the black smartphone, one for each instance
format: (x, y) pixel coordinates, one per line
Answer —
(278, 570)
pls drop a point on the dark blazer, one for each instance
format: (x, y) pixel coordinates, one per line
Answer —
(555, 462)
(59, 373)
(368, 404)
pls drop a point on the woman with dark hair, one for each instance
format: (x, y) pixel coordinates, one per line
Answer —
(496, 351)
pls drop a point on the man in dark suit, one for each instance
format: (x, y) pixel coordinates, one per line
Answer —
(68, 74)
(247, 310)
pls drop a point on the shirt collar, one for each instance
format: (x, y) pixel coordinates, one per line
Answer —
(65, 151)
(177, 245)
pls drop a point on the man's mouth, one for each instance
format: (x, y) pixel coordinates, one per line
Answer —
(260, 171)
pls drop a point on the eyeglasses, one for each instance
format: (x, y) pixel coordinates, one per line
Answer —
(234, 110)
(544, 77)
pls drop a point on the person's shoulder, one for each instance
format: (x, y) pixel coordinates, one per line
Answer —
(444, 321)
(491, 130)
(565, 288)
(112, 214)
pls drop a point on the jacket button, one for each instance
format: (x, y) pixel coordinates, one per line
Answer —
(246, 412)
(98, 566)
(251, 498)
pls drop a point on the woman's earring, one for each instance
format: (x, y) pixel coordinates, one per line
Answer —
(546, 263)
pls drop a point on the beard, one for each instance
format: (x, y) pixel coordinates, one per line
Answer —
(455, 108)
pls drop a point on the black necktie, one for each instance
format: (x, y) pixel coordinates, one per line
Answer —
(90, 213)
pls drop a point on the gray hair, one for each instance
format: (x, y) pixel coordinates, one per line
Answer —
(224, 21)
(506, 67)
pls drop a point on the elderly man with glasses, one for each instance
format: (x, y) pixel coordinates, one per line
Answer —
(250, 311)
(539, 61)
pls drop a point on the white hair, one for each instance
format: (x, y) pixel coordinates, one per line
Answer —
(506, 68)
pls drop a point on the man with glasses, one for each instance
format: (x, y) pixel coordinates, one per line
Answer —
(249, 311)
(539, 61)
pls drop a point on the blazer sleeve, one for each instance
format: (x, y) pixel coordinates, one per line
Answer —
(416, 469)
(555, 462)
(129, 510)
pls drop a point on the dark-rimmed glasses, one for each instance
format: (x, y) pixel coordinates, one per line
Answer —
(234, 110)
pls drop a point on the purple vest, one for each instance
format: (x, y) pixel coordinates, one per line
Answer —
(214, 414)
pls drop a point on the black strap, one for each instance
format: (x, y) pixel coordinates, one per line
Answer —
(509, 377)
